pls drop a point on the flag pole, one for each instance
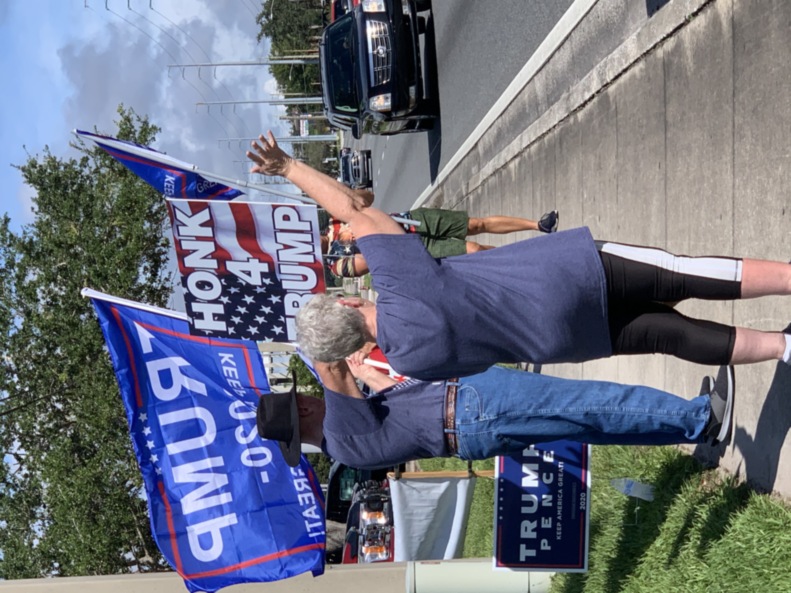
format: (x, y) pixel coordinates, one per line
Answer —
(90, 293)
(165, 159)
(300, 197)
(238, 184)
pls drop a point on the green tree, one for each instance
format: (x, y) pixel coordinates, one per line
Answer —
(292, 27)
(322, 156)
(71, 498)
(305, 380)
(309, 385)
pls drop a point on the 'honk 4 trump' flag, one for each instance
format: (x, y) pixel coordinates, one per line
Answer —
(246, 267)
(225, 507)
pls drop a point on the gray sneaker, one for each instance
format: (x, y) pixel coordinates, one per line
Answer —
(720, 422)
(706, 385)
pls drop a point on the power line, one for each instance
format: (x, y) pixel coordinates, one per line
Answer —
(200, 48)
(250, 10)
(189, 55)
(168, 52)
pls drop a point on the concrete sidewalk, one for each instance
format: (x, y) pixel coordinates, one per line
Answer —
(678, 138)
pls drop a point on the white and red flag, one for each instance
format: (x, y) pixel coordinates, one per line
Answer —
(246, 267)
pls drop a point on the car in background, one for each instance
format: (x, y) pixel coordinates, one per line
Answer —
(360, 499)
(340, 488)
(371, 70)
(356, 168)
(370, 533)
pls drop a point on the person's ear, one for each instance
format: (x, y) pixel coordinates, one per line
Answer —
(303, 407)
(306, 405)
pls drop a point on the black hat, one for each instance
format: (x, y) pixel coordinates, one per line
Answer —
(278, 420)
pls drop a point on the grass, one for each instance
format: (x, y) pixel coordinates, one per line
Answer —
(702, 533)
(478, 540)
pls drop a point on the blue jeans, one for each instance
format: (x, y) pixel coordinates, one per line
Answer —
(502, 411)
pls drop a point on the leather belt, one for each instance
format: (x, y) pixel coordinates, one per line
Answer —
(450, 416)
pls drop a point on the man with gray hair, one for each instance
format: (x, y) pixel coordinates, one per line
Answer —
(330, 328)
(560, 297)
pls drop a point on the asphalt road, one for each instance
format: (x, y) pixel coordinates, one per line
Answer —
(479, 46)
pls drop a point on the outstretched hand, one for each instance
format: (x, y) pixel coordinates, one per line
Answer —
(268, 157)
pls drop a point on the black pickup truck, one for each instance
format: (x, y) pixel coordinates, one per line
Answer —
(372, 72)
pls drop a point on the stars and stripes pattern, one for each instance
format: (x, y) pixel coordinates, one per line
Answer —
(258, 315)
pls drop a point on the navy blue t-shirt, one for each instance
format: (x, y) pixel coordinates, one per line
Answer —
(401, 423)
(542, 300)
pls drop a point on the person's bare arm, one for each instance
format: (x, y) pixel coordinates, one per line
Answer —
(356, 265)
(338, 377)
(370, 376)
(340, 201)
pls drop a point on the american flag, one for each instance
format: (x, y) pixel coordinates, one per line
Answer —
(250, 315)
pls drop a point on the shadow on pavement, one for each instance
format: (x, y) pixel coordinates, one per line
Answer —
(761, 452)
(431, 82)
(653, 6)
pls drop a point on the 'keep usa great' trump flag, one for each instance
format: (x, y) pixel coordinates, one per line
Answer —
(246, 267)
(225, 507)
(169, 176)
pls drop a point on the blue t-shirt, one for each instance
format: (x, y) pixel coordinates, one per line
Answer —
(401, 423)
(542, 300)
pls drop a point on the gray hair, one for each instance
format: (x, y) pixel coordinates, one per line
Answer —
(328, 331)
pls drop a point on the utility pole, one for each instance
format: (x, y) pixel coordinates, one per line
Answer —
(303, 116)
(292, 139)
(288, 101)
(308, 59)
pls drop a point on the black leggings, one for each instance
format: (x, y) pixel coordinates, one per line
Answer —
(641, 280)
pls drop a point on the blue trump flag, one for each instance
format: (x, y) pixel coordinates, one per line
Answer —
(169, 176)
(225, 507)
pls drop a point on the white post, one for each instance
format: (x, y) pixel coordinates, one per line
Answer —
(471, 576)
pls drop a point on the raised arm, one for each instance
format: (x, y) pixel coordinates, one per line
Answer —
(350, 266)
(340, 201)
(366, 195)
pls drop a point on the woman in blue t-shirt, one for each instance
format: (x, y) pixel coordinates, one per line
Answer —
(557, 298)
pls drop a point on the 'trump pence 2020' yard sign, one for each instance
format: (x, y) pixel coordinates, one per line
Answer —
(541, 508)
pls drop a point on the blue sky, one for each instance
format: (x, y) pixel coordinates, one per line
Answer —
(69, 63)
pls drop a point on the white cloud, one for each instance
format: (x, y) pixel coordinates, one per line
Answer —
(24, 197)
(86, 61)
